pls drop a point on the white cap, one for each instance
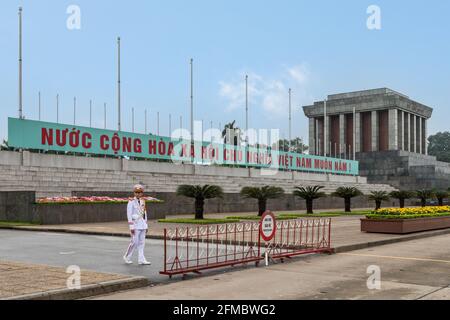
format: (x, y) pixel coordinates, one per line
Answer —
(138, 187)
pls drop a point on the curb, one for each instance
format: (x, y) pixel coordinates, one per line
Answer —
(87, 291)
(364, 245)
(345, 248)
(90, 233)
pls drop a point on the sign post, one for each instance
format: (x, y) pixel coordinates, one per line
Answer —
(267, 230)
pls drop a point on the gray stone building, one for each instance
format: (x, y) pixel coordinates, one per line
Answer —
(367, 121)
(385, 131)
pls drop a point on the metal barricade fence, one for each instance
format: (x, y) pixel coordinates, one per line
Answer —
(195, 248)
(295, 237)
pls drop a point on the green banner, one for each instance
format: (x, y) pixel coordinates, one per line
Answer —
(38, 135)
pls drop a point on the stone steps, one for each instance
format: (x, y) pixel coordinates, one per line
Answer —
(61, 181)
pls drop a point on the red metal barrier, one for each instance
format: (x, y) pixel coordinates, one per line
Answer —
(192, 249)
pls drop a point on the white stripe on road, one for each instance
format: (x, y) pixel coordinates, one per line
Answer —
(393, 257)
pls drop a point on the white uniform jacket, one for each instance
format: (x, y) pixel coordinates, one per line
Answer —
(137, 217)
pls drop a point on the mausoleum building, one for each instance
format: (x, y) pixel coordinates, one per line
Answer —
(367, 121)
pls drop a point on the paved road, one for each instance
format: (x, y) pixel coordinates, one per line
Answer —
(409, 270)
(418, 269)
(97, 253)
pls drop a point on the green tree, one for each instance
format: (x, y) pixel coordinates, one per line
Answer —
(309, 194)
(296, 145)
(200, 194)
(262, 195)
(378, 197)
(424, 195)
(441, 195)
(439, 146)
(402, 196)
(347, 193)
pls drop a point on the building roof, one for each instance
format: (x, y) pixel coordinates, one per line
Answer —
(367, 100)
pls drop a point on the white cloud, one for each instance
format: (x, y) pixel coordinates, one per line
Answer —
(269, 94)
(299, 73)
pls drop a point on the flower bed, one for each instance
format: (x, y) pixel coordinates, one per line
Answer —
(410, 213)
(407, 220)
(90, 200)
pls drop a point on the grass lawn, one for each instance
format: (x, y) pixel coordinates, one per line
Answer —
(194, 221)
(257, 218)
(287, 215)
(16, 224)
(304, 215)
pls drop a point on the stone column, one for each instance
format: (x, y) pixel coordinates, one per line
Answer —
(413, 134)
(312, 135)
(393, 129)
(425, 129)
(409, 132)
(327, 135)
(317, 146)
(401, 131)
(420, 134)
(375, 131)
(341, 133)
(357, 130)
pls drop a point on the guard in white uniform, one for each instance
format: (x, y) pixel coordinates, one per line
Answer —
(137, 221)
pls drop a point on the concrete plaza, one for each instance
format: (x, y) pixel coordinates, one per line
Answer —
(416, 269)
(99, 248)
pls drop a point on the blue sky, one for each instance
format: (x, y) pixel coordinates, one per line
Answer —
(316, 48)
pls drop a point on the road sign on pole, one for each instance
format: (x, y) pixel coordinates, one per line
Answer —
(267, 226)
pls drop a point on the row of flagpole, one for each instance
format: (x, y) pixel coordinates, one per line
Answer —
(119, 127)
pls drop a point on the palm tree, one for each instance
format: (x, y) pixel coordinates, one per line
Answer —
(424, 195)
(200, 193)
(309, 194)
(262, 195)
(440, 196)
(347, 193)
(402, 196)
(378, 197)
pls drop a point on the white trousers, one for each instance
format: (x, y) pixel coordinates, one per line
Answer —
(137, 241)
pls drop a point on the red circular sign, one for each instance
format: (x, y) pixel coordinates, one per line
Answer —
(267, 226)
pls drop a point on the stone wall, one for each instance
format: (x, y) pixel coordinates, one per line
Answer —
(404, 170)
(21, 207)
(18, 206)
(59, 175)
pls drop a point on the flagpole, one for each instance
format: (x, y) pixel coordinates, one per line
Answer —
(192, 101)
(246, 110)
(157, 123)
(145, 121)
(74, 109)
(325, 131)
(132, 120)
(104, 113)
(118, 83)
(354, 133)
(39, 106)
(290, 119)
(20, 65)
(57, 108)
